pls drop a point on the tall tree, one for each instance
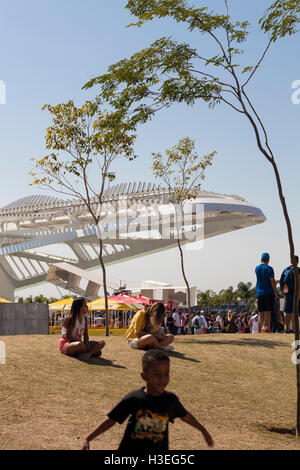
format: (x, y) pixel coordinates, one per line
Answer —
(182, 170)
(169, 72)
(84, 143)
(229, 296)
(244, 290)
(40, 299)
(203, 298)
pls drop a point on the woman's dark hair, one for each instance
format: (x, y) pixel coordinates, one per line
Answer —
(70, 320)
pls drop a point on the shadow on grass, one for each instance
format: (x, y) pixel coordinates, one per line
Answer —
(99, 361)
(278, 430)
(182, 356)
(240, 342)
(290, 431)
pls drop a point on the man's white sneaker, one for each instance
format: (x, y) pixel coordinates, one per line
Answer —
(170, 347)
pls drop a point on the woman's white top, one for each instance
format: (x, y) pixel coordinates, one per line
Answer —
(78, 329)
(254, 325)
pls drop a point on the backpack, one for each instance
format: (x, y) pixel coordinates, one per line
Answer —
(196, 323)
(287, 280)
(290, 280)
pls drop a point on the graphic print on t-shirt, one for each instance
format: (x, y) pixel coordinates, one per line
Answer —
(78, 334)
(150, 426)
(78, 330)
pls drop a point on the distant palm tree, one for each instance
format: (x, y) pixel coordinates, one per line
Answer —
(244, 290)
(40, 299)
(204, 298)
(215, 300)
(229, 296)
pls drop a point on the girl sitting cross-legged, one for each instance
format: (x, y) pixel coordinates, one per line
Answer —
(74, 327)
(146, 331)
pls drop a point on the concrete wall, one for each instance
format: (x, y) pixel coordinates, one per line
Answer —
(7, 287)
(24, 319)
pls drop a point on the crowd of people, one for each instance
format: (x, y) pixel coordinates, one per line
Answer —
(216, 322)
(270, 315)
(154, 328)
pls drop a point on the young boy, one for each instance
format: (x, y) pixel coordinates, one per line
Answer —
(150, 409)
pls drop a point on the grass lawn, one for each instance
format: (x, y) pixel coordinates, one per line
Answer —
(241, 387)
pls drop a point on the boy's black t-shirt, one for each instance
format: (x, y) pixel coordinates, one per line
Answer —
(147, 427)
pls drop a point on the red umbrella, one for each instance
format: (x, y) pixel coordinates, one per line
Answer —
(147, 301)
(143, 300)
(124, 299)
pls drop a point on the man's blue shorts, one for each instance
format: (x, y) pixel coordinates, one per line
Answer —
(289, 307)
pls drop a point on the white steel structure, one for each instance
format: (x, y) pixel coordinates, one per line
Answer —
(28, 224)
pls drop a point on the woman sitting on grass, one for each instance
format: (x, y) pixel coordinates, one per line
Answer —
(145, 331)
(74, 327)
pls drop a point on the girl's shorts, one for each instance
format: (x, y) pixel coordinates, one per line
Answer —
(63, 345)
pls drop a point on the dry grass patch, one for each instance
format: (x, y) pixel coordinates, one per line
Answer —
(238, 386)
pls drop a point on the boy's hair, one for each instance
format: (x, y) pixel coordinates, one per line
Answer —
(153, 356)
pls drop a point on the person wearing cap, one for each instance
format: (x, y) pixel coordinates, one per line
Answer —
(266, 293)
(198, 324)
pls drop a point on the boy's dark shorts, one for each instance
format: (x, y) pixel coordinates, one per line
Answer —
(265, 303)
(289, 306)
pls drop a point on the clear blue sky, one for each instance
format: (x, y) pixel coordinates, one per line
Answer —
(50, 49)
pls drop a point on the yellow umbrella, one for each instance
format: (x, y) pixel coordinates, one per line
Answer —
(99, 304)
(130, 307)
(4, 301)
(64, 304)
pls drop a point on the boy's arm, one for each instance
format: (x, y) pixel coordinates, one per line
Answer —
(104, 426)
(192, 421)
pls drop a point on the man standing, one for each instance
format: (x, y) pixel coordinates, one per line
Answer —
(266, 293)
(205, 326)
(198, 324)
(287, 285)
(177, 325)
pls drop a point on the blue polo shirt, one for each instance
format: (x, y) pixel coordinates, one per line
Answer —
(264, 273)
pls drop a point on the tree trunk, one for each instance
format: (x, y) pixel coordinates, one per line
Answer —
(104, 287)
(296, 321)
(295, 303)
(187, 286)
(271, 160)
